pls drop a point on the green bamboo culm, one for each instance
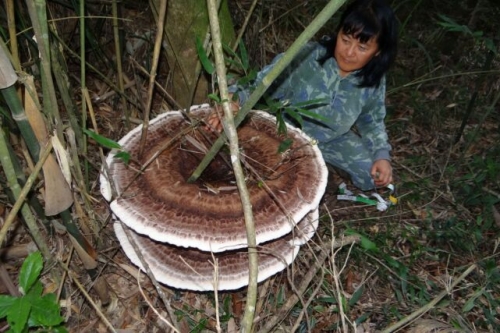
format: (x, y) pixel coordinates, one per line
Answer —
(8, 78)
(60, 70)
(10, 174)
(287, 58)
(38, 14)
(14, 104)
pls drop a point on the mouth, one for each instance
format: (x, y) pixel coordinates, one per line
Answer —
(347, 61)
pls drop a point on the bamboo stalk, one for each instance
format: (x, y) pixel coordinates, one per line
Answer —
(152, 76)
(38, 14)
(11, 22)
(83, 86)
(198, 69)
(61, 76)
(20, 195)
(14, 104)
(118, 54)
(287, 58)
(230, 129)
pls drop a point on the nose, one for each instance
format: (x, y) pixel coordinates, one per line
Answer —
(350, 51)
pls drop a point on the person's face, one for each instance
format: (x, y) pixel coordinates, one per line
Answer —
(351, 54)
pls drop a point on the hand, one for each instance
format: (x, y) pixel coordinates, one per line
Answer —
(381, 172)
(214, 120)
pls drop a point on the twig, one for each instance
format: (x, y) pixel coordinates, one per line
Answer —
(157, 84)
(151, 305)
(305, 305)
(152, 77)
(245, 24)
(75, 280)
(7, 281)
(216, 291)
(430, 305)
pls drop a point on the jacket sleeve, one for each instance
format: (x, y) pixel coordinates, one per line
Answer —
(244, 92)
(286, 83)
(371, 124)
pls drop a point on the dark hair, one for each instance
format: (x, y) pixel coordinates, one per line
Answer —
(364, 19)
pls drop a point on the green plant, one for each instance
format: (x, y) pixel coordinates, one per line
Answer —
(450, 25)
(32, 309)
(108, 143)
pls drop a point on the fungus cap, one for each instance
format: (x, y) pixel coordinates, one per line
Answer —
(208, 214)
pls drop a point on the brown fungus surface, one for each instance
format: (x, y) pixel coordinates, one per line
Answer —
(207, 214)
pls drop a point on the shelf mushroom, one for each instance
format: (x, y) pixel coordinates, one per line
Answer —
(162, 209)
(190, 268)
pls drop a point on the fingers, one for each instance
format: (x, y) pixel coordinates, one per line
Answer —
(213, 123)
(382, 173)
(383, 180)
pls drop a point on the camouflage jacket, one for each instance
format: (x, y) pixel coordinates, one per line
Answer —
(345, 104)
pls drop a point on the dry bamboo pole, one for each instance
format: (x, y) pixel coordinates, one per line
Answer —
(118, 54)
(152, 75)
(83, 86)
(11, 23)
(287, 58)
(230, 130)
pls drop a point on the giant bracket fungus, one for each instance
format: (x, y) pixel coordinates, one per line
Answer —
(181, 227)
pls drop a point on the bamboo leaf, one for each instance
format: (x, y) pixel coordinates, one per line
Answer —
(214, 97)
(229, 50)
(207, 64)
(365, 242)
(356, 296)
(124, 156)
(103, 141)
(244, 56)
(296, 116)
(284, 145)
(312, 115)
